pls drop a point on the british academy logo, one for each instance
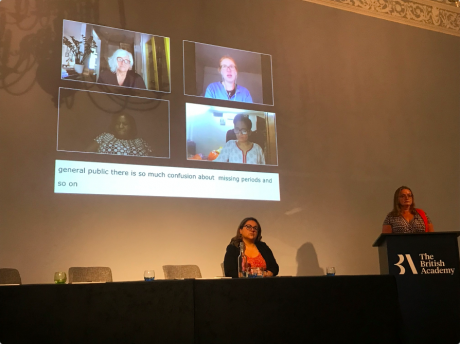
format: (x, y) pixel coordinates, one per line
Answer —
(409, 260)
(428, 265)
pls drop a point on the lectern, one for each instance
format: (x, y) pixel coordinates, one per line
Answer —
(426, 267)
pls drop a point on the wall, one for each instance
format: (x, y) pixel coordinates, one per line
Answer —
(362, 106)
(207, 132)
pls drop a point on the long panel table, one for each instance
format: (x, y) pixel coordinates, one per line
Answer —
(340, 309)
(352, 309)
(127, 312)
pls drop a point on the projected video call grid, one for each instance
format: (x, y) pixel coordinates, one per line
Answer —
(124, 126)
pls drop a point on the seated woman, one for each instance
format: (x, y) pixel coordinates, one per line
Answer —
(405, 218)
(242, 150)
(257, 252)
(121, 64)
(227, 89)
(121, 139)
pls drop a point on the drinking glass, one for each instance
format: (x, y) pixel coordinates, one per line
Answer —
(60, 278)
(149, 275)
(256, 272)
(330, 271)
(260, 272)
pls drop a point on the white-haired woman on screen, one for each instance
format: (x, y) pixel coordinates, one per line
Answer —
(120, 73)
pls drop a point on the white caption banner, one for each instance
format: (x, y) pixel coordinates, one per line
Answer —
(80, 177)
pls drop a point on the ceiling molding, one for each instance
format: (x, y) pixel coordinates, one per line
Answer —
(440, 16)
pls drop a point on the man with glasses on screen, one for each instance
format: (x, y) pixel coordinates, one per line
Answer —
(227, 89)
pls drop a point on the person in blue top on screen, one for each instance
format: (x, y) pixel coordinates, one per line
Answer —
(228, 89)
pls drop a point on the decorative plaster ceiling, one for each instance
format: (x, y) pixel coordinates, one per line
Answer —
(436, 15)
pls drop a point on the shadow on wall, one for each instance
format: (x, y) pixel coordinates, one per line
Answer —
(307, 261)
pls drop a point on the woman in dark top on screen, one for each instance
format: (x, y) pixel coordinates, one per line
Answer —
(257, 252)
(405, 218)
(120, 73)
(121, 138)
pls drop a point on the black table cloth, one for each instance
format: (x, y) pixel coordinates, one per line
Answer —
(340, 309)
(131, 312)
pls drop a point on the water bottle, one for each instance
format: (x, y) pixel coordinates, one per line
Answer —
(242, 262)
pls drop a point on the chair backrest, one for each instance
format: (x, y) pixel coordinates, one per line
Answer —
(230, 135)
(223, 269)
(91, 274)
(181, 271)
(9, 276)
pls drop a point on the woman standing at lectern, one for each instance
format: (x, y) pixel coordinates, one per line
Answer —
(405, 218)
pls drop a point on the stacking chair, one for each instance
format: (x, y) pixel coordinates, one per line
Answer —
(10, 276)
(181, 271)
(91, 274)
